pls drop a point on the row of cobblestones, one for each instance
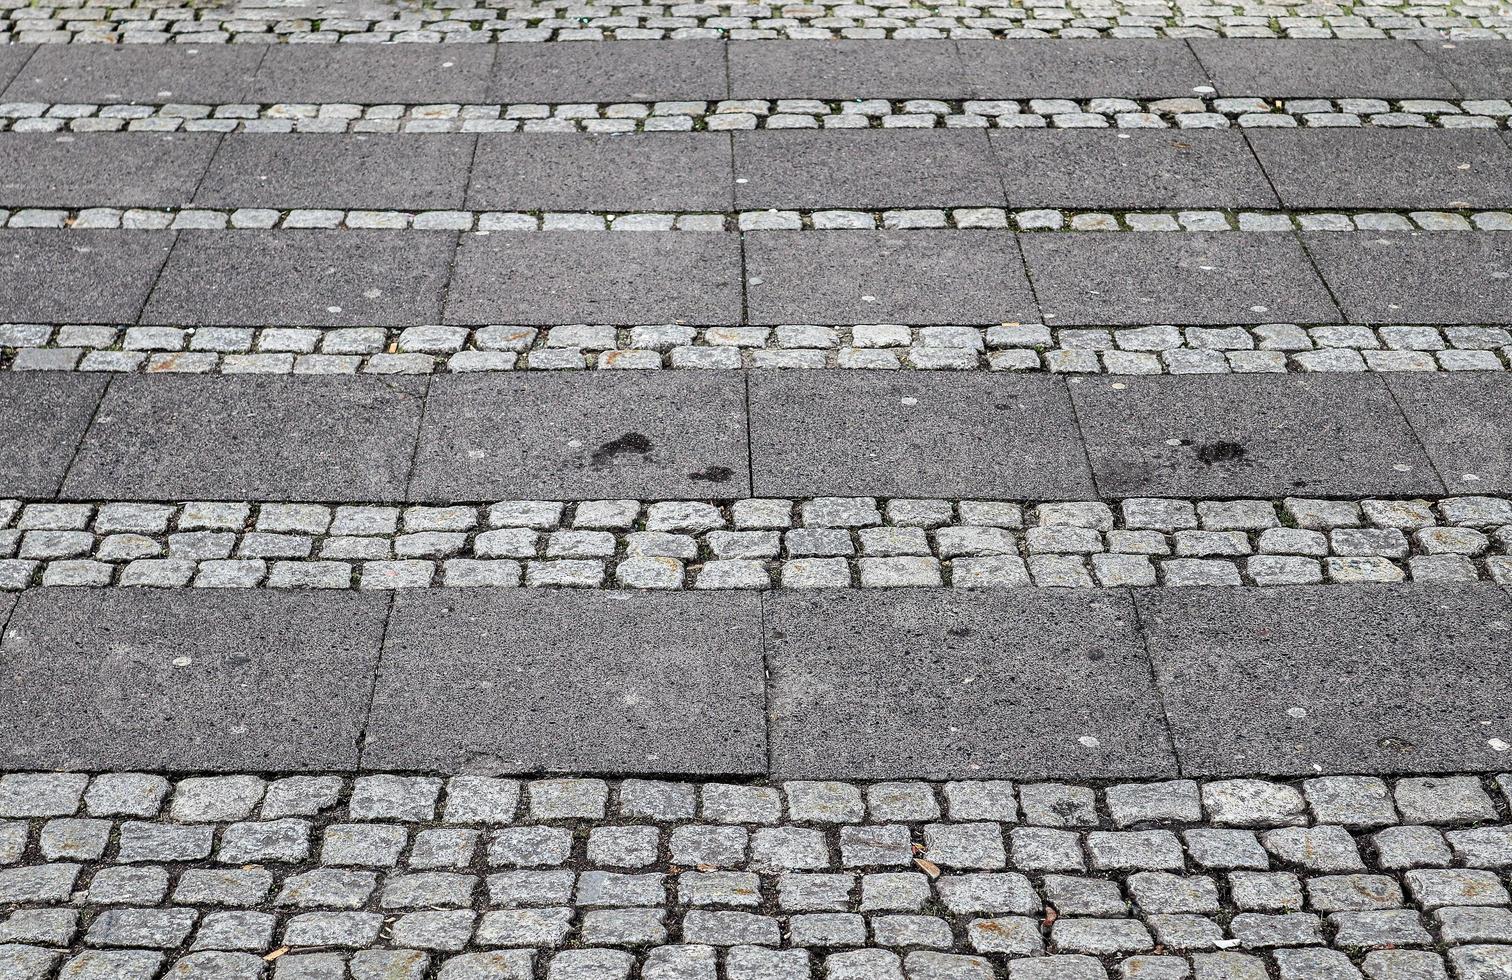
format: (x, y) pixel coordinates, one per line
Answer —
(324, 877)
(1161, 349)
(163, 21)
(1199, 111)
(818, 542)
(771, 219)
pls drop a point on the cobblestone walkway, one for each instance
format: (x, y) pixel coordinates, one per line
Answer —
(738, 491)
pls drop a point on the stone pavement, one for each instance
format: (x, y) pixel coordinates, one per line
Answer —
(750, 492)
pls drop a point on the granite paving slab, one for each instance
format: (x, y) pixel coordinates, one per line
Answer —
(181, 679)
(204, 74)
(1317, 68)
(525, 682)
(80, 170)
(610, 71)
(43, 417)
(71, 275)
(1479, 69)
(12, 58)
(1465, 424)
(1134, 68)
(1417, 277)
(1307, 679)
(374, 74)
(846, 69)
(1248, 436)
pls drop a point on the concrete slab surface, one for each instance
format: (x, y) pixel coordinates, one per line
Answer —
(1136, 68)
(374, 74)
(1318, 68)
(1464, 420)
(1417, 277)
(137, 74)
(610, 71)
(1479, 70)
(65, 275)
(12, 58)
(846, 69)
(43, 416)
(81, 170)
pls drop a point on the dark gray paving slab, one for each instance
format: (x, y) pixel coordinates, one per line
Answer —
(879, 433)
(187, 679)
(1417, 277)
(250, 438)
(374, 74)
(849, 69)
(517, 682)
(583, 436)
(7, 603)
(150, 74)
(917, 277)
(1478, 69)
(1324, 69)
(1332, 679)
(1386, 168)
(43, 417)
(80, 170)
(602, 172)
(1464, 421)
(421, 171)
(1190, 278)
(12, 58)
(1136, 68)
(1130, 168)
(1249, 436)
(65, 275)
(953, 684)
(610, 71)
(620, 277)
(303, 278)
(864, 168)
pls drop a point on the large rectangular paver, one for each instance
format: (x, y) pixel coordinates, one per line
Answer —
(921, 434)
(81, 170)
(610, 71)
(1249, 436)
(601, 172)
(187, 679)
(1202, 278)
(1130, 68)
(583, 436)
(1417, 277)
(1332, 679)
(150, 74)
(42, 417)
(919, 277)
(1478, 69)
(65, 275)
(374, 74)
(12, 58)
(1322, 69)
(1465, 423)
(1134, 168)
(1386, 168)
(849, 69)
(250, 438)
(425, 171)
(941, 684)
(618, 277)
(520, 682)
(864, 168)
(303, 278)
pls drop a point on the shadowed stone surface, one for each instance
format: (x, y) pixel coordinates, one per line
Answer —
(250, 438)
(583, 436)
(1465, 423)
(622, 277)
(67, 276)
(864, 169)
(374, 74)
(1417, 277)
(1385, 168)
(924, 277)
(302, 278)
(42, 416)
(1237, 436)
(1307, 68)
(1097, 168)
(1135, 68)
(1192, 278)
(918, 434)
(1386, 679)
(848, 69)
(150, 74)
(601, 172)
(79, 170)
(508, 682)
(933, 683)
(610, 71)
(319, 170)
(187, 679)
(1479, 71)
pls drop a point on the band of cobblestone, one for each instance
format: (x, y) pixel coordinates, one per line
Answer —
(822, 542)
(1021, 347)
(1194, 112)
(475, 877)
(164, 21)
